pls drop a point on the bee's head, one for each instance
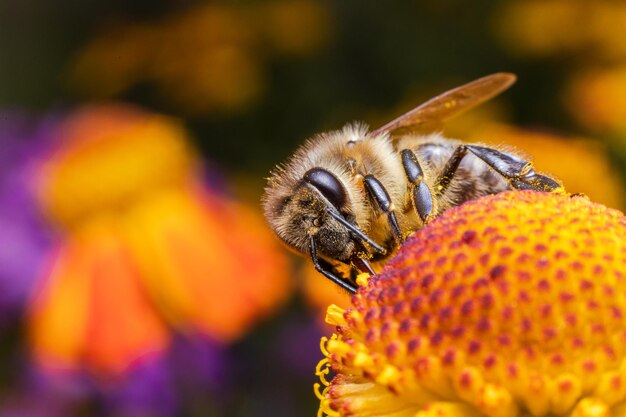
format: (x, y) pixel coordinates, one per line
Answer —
(313, 208)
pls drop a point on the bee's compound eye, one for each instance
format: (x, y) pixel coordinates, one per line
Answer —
(327, 184)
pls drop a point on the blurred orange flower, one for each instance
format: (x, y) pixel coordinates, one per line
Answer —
(210, 58)
(295, 27)
(144, 245)
(212, 266)
(91, 306)
(509, 305)
(589, 35)
(597, 99)
(557, 27)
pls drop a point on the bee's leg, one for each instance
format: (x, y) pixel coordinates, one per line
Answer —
(378, 193)
(509, 166)
(328, 271)
(518, 172)
(445, 178)
(421, 195)
(537, 182)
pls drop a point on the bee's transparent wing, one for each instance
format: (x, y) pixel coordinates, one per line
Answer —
(430, 115)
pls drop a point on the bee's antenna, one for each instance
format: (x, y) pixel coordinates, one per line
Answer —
(356, 231)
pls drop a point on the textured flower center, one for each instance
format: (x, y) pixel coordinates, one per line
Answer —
(508, 305)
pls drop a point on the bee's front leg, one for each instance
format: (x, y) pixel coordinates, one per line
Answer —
(328, 271)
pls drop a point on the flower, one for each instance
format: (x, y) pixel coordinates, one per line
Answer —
(194, 373)
(507, 305)
(144, 246)
(295, 27)
(596, 99)
(23, 240)
(90, 308)
(559, 27)
(210, 58)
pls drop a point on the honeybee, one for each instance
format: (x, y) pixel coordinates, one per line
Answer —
(351, 196)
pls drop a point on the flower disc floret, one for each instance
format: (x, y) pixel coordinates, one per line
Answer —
(508, 305)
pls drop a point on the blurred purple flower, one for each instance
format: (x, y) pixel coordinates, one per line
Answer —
(147, 389)
(191, 378)
(24, 239)
(191, 375)
(33, 393)
(297, 343)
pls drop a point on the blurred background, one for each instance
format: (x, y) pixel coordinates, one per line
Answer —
(137, 275)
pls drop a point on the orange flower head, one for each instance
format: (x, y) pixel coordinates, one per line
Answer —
(557, 27)
(508, 305)
(107, 158)
(143, 246)
(597, 99)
